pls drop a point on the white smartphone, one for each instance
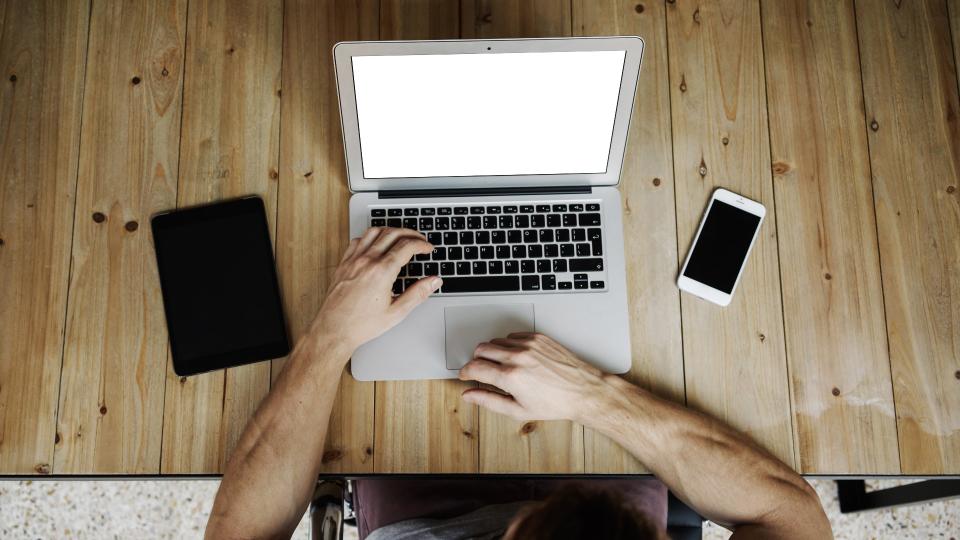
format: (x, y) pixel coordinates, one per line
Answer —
(724, 239)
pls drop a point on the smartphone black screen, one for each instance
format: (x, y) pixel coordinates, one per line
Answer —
(219, 286)
(722, 246)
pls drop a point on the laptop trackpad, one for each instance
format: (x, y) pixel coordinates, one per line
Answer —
(468, 326)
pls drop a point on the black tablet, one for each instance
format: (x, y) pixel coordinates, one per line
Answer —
(219, 285)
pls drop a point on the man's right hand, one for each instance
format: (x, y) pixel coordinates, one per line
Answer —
(544, 379)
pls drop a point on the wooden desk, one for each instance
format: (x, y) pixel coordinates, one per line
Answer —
(840, 352)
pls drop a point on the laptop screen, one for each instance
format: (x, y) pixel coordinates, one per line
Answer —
(506, 114)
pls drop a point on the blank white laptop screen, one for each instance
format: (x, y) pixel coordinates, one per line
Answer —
(486, 114)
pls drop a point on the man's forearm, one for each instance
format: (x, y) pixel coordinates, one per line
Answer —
(719, 472)
(271, 474)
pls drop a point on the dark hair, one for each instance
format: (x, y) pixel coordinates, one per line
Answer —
(576, 511)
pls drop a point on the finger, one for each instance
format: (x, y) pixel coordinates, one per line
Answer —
(389, 236)
(521, 335)
(415, 295)
(404, 249)
(484, 371)
(367, 239)
(494, 401)
(495, 351)
(351, 249)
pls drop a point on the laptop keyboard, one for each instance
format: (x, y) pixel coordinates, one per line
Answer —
(515, 248)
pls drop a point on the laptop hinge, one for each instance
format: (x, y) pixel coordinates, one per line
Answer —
(481, 192)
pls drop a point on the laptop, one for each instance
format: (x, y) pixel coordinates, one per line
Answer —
(506, 155)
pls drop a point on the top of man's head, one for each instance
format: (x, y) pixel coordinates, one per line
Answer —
(574, 512)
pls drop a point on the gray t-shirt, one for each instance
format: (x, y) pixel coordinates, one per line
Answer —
(486, 523)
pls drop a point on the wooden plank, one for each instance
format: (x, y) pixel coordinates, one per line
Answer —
(734, 357)
(116, 344)
(833, 302)
(483, 19)
(312, 222)
(43, 51)
(910, 91)
(649, 217)
(229, 148)
(423, 426)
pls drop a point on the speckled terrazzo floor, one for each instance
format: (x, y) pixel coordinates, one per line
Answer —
(179, 508)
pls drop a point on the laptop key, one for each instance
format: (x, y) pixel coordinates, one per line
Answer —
(378, 212)
(398, 286)
(394, 212)
(450, 238)
(579, 235)
(460, 210)
(463, 268)
(543, 266)
(559, 208)
(493, 209)
(563, 235)
(519, 252)
(535, 251)
(509, 209)
(576, 208)
(537, 221)
(496, 267)
(486, 252)
(447, 268)
(527, 267)
(566, 250)
(483, 237)
(474, 222)
(455, 253)
(583, 250)
(378, 222)
(587, 220)
(479, 267)
(596, 284)
(442, 223)
(565, 285)
(553, 220)
(549, 282)
(414, 269)
(489, 222)
(546, 236)
(407, 283)
(543, 208)
(421, 257)
(445, 211)
(476, 210)
(411, 211)
(470, 252)
(559, 265)
(579, 277)
(394, 222)
(466, 237)
(498, 237)
(481, 284)
(434, 238)
(458, 223)
(511, 267)
(503, 252)
(410, 223)
(593, 207)
(514, 237)
(530, 283)
(521, 222)
(586, 265)
(505, 222)
(551, 250)
(569, 220)
(426, 224)
(439, 253)
(431, 269)
(428, 211)
(579, 284)
(526, 209)
(529, 236)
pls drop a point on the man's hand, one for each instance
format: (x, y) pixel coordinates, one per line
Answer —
(359, 305)
(545, 380)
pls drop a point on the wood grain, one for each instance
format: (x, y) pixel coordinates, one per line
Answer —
(649, 218)
(232, 66)
(833, 303)
(43, 51)
(734, 356)
(116, 341)
(484, 19)
(423, 426)
(313, 225)
(910, 90)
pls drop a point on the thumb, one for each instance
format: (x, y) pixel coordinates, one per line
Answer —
(415, 295)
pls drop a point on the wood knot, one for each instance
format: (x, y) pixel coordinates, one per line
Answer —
(164, 72)
(827, 276)
(835, 391)
(762, 337)
(528, 428)
(638, 8)
(131, 226)
(279, 92)
(135, 80)
(231, 50)
(656, 182)
(725, 141)
(702, 169)
(13, 78)
(98, 217)
(308, 174)
(183, 380)
(331, 455)
(103, 409)
(42, 468)
(683, 83)
(874, 125)
(368, 451)
(56, 438)
(957, 374)
(467, 434)
(696, 16)
(780, 168)
(486, 18)
(274, 174)
(2, 242)
(671, 1)
(809, 23)
(951, 189)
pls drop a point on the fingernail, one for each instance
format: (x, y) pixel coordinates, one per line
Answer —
(436, 282)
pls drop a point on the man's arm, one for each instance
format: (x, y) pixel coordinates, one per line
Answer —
(720, 473)
(272, 472)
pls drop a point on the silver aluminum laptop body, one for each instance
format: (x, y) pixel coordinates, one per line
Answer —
(485, 185)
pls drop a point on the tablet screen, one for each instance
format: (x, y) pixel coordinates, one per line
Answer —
(219, 286)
